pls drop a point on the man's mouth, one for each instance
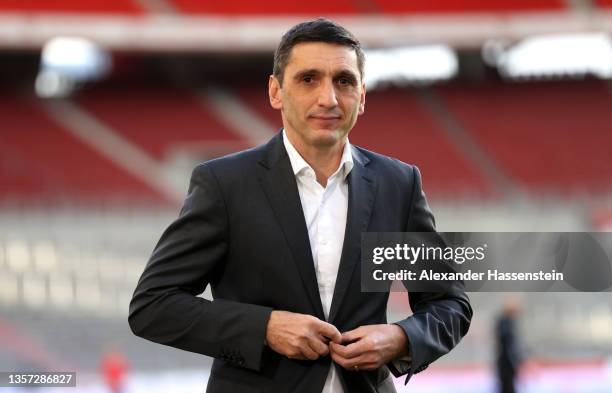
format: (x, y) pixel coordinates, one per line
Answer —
(320, 117)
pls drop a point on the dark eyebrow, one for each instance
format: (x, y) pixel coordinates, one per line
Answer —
(346, 74)
(304, 73)
(340, 74)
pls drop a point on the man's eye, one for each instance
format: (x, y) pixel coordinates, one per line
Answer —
(344, 81)
(307, 79)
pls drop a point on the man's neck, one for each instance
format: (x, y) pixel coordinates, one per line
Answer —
(324, 160)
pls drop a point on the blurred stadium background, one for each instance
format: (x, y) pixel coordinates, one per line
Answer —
(106, 106)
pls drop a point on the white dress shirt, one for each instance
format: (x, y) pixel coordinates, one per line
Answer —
(325, 210)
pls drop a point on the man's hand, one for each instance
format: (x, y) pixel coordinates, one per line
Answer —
(300, 336)
(369, 347)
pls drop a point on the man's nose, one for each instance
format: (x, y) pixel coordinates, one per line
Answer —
(327, 95)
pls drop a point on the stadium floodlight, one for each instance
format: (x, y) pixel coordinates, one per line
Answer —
(410, 65)
(554, 56)
(68, 61)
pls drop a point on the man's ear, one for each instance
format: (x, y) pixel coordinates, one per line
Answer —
(362, 99)
(274, 91)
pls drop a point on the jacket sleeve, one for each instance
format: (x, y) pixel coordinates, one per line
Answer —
(439, 319)
(190, 254)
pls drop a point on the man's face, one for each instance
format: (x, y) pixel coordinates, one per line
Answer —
(322, 94)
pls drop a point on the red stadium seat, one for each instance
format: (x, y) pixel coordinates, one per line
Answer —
(256, 98)
(311, 8)
(604, 3)
(41, 161)
(398, 125)
(459, 6)
(160, 119)
(246, 7)
(549, 137)
(72, 6)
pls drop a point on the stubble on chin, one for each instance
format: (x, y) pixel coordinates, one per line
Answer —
(327, 139)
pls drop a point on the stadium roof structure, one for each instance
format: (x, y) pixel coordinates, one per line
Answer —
(223, 33)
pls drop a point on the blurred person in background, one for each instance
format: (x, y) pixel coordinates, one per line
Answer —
(114, 368)
(509, 352)
(276, 232)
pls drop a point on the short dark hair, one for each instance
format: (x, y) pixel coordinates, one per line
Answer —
(316, 30)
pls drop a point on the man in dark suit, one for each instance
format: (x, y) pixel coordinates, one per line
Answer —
(509, 351)
(276, 232)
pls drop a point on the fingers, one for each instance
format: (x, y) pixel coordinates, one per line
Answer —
(330, 331)
(318, 339)
(310, 348)
(355, 355)
(300, 336)
(353, 335)
(357, 351)
(362, 362)
(308, 352)
(349, 351)
(320, 345)
(310, 340)
(354, 344)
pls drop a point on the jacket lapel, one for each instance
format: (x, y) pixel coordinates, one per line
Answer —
(362, 191)
(280, 186)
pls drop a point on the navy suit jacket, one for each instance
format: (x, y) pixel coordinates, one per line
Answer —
(242, 231)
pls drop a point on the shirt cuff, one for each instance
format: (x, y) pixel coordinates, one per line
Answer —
(400, 366)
